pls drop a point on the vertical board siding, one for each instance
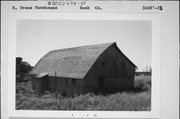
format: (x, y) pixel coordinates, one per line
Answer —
(118, 71)
(70, 90)
(33, 83)
(111, 70)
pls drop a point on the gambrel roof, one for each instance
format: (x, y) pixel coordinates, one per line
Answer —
(71, 62)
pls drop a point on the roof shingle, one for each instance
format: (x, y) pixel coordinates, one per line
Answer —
(71, 62)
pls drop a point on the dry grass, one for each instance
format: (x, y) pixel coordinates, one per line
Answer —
(142, 83)
(122, 101)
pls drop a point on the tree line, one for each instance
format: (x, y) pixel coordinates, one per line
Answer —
(22, 70)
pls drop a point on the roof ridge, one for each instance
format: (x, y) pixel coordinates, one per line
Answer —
(65, 64)
(82, 46)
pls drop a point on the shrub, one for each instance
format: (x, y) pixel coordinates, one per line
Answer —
(140, 85)
(115, 102)
(122, 101)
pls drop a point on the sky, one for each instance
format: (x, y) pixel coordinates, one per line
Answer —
(35, 38)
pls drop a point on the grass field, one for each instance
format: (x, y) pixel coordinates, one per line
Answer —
(139, 100)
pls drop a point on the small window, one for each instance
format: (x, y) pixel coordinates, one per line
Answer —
(103, 63)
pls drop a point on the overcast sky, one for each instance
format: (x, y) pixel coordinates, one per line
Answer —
(35, 38)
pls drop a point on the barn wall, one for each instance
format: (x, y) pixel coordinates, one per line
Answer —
(39, 84)
(33, 82)
(118, 72)
(45, 83)
(73, 87)
(66, 86)
(113, 65)
(125, 68)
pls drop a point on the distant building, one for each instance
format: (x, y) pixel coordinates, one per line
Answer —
(145, 73)
(94, 68)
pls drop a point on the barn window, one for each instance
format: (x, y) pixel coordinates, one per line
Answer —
(103, 63)
(74, 81)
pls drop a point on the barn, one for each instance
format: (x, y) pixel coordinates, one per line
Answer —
(97, 68)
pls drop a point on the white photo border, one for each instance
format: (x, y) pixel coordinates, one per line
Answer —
(155, 91)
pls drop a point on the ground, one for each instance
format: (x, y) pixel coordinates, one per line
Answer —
(138, 99)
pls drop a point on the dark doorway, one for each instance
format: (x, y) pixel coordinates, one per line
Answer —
(45, 83)
(64, 93)
(101, 81)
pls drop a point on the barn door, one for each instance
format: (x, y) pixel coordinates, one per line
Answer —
(45, 83)
(101, 81)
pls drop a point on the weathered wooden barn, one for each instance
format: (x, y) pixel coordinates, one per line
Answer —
(94, 68)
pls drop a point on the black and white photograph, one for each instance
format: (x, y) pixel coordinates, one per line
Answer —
(84, 65)
(89, 59)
